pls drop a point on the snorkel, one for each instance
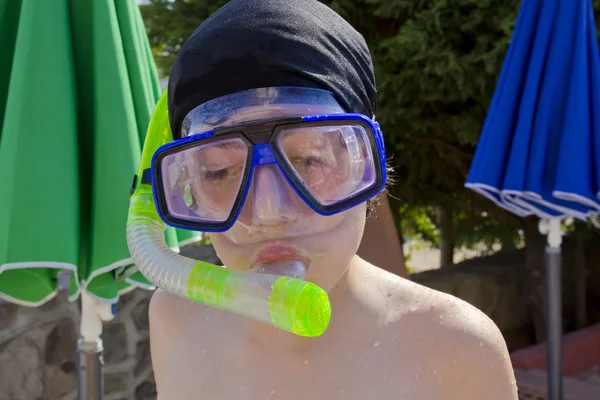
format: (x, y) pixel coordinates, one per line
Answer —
(288, 303)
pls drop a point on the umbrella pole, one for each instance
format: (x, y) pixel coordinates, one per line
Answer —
(554, 306)
(90, 366)
(90, 349)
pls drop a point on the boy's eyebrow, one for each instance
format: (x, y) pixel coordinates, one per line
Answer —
(228, 145)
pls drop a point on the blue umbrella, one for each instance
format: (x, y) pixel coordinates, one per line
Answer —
(539, 150)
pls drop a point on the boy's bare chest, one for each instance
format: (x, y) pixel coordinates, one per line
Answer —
(341, 372)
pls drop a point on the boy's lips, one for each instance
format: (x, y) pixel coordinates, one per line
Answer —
(275, 252)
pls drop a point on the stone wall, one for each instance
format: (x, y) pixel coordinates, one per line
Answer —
(38, 350)
(38, 347)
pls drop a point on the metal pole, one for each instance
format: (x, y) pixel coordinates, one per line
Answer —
(90, 363)
(89, 347)
(553, 231)
(552, 228)
(554, 321)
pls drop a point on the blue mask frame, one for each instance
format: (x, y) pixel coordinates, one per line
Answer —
(260, 137)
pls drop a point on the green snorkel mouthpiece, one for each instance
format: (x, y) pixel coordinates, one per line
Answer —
(288, 303)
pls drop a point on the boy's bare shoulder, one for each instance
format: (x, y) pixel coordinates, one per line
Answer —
(452, 340)
(168, 315)
(165, 309)
(444, 318)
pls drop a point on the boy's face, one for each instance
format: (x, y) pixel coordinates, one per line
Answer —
(276, 224)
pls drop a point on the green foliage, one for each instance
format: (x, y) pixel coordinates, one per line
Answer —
(418, 223)
(170, 23)
(472, 229)
(409, 270)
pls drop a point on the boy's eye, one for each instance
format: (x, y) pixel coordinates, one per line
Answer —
(307, 162)
(222, 174)
(215, 175)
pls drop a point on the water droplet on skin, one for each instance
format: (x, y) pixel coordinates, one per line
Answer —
(376, 343)
(412, 309)
(272, 391)
(306, 362)
(261, 269)
(242, 389)
(441, 317)
(208, 317)
(394, 351)
(342, 391)
(435, 371)
(480, 344)
(204, 351)
(416, 377)
(453, 361)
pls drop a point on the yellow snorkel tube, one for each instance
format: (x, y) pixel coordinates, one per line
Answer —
(288, 303)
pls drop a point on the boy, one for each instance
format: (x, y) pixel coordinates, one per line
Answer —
(268, 60)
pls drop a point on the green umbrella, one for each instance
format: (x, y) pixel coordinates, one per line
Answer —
(77, 88)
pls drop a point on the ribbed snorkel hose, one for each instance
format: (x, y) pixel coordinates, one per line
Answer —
(145, 238)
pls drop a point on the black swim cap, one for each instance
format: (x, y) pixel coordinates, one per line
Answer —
(249, 44)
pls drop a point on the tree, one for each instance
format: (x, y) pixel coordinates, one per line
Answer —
(170, 23)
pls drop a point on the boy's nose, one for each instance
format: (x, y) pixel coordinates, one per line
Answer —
(272, 197)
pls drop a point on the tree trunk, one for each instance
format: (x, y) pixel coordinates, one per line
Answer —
(447, 239)
(381, 244)
(533, 280)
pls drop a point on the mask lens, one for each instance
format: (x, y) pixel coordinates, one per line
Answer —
(333, 163)
(202, 183)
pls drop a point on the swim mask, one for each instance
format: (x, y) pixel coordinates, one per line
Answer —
(280, 170)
